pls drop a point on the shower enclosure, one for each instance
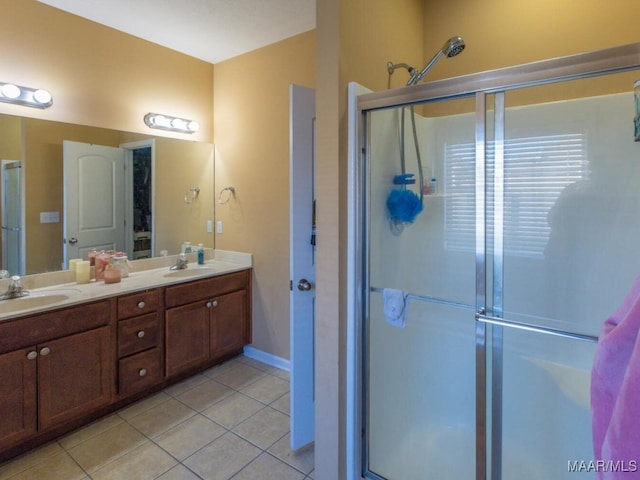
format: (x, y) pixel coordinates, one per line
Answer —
(529, 243)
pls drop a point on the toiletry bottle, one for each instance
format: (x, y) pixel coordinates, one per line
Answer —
(200, 254)
(186, 247)
(433, 187)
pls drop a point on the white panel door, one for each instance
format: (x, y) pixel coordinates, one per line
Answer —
(94, 201)
(303, 270)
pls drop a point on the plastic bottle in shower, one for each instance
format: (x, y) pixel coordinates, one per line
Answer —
(433, 187)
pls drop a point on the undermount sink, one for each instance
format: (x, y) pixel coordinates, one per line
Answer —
(33, 300)
(190, 272)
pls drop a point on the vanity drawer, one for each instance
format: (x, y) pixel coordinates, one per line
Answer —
(206, 289)
(139, 303)
(140, 371)
(138, 333)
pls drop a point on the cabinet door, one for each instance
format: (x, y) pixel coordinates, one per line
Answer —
(75, 376)
(186, 337)
(228, 323)
(17, 396)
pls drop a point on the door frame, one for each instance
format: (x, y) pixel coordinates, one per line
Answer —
(129, 147)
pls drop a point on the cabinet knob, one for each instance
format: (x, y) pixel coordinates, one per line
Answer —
(141, 334)
(32, 355)
(209, 304)
(45, 351)
(214, 303)
(142, 372)
(141, 305)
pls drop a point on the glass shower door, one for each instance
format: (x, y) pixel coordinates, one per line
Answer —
(564, 196)
(419, 378)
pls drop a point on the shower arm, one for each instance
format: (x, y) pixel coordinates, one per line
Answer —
(416, 77)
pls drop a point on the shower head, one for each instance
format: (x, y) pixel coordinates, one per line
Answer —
(451, 48)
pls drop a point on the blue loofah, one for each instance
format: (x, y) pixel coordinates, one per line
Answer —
(403, 205)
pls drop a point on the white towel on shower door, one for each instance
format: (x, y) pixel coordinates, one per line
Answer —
(396, 307)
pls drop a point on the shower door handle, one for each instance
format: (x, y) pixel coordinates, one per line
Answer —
(304, 285)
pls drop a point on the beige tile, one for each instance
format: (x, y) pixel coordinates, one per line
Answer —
(57, 467)
(266, 467)
(204, 395)
(144, 463)
(143, 405)
(284, 374)
(283, 404)
(185, 385)
(90, 431)
(265, 428)
(222, 458)
(302, 459)
(233, 410)
(107, 446)
(259, 365)
(266, 389)
(238, 375)
(221, 368)
(189, 436)
(30, 459)
(179, 472)
(162, 417)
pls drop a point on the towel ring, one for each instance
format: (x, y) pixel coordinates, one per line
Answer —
(231, 192)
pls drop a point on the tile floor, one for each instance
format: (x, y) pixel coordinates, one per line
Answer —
(230, 422)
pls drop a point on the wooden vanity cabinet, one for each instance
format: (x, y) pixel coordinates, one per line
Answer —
(206, 320)
(140, 342)
(54, 367)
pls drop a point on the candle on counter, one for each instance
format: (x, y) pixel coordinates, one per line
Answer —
(83, 271)
(73, 262)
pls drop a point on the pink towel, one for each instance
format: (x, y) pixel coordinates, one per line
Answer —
(615, 393)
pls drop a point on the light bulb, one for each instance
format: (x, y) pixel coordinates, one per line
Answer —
(9, 90)
(42, 96)
(193, 126)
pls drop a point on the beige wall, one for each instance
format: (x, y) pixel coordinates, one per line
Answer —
(350, 34)
(252, 154)
(99, 76)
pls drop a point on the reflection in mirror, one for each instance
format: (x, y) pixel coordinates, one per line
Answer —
(176, 166)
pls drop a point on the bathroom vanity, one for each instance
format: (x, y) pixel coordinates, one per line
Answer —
(104, 346)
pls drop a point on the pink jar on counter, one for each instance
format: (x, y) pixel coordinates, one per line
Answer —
(101, 261)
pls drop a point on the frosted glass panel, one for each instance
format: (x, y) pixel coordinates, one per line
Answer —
(571, 211)
(546, 414)
(420, 379)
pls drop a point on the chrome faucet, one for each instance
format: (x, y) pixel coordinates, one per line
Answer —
(181, 263)
(15, 290)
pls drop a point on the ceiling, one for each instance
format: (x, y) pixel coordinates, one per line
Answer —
(211, 30)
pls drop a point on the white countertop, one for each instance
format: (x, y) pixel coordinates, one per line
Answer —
(150, 273)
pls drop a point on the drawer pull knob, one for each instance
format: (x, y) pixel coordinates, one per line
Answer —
(141, 305)
(214, 303)
(45, 351)
(32, 355)
(142, 372)
(141, 334)
(209, 305)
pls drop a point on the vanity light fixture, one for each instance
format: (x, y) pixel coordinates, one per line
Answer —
(173, 124)
(29, 97)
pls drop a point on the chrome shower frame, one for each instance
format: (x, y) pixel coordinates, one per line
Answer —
(479, 85)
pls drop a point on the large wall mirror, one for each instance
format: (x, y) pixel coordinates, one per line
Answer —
(169, 201)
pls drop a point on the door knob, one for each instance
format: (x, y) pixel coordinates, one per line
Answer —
(73, 240)
(304, 285)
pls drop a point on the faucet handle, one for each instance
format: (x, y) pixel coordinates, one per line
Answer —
(15, 279)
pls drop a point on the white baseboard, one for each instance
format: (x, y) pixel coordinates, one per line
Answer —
(267, 358)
